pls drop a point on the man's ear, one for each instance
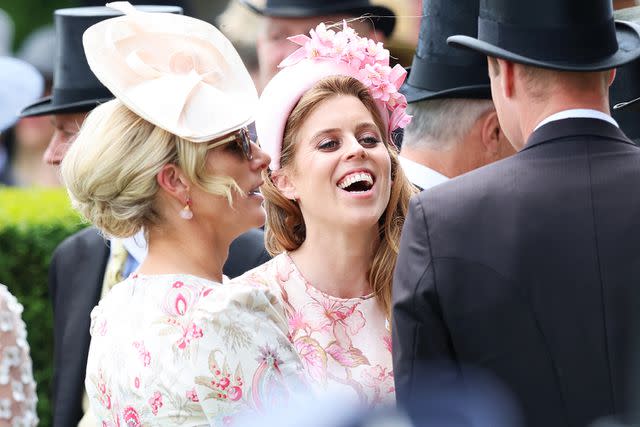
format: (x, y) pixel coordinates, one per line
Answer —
(284, 184)
(490, 133)
(506, 76)
(173, 181)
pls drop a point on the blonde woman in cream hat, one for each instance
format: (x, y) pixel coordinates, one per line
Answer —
(171, 155)
(336, 200)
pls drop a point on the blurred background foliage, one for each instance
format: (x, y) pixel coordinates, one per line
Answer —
(28, 15)
(32, 223)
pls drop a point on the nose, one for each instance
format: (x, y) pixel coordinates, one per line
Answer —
(57, 148)
(354, 149)
(260, 158)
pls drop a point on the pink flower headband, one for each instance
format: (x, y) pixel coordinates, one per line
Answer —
(324, 54)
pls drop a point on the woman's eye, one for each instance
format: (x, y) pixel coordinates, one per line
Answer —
(328, 145)
(369, 141)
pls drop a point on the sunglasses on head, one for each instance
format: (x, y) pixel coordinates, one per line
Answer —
(240, 137)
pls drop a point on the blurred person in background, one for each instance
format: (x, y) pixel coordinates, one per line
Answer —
(85, 264)
(171, 344)
(20, 84)
(335, 197)
(32, 134)
(455, 126)
(285, 18)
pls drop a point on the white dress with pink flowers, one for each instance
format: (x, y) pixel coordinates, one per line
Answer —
(344, 344)
(182, 350)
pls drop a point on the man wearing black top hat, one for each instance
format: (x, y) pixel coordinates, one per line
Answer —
(455, 127)
(285, 18)
(80, 268)
(528, 267)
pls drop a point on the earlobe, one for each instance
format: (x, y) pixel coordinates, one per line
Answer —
(284, 185)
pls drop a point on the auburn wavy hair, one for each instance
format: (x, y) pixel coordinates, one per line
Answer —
(285, 228)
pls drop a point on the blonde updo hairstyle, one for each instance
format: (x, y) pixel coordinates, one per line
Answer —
(110, 169)
(285, 228)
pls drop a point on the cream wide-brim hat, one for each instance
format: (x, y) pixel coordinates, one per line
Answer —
(177, 72)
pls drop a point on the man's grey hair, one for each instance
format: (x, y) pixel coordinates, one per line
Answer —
(439, 124)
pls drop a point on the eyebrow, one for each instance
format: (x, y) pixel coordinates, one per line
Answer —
(359, 128)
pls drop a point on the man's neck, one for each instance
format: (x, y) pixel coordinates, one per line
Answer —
(532, 116)
(441, 161)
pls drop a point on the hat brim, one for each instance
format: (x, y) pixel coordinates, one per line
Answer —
(385, 25)
(628, 36)
(416, 94)
(46, 107)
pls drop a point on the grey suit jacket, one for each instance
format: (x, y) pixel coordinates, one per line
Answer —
(529, 269)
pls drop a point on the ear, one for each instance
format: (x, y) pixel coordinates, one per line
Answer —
(506, 77)
(173, 181)
(612, 76)
(284, 184)
(490, 133)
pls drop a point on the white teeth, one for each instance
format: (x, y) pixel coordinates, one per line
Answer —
(355, 177)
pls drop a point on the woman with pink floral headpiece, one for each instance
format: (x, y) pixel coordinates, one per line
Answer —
(336, 199)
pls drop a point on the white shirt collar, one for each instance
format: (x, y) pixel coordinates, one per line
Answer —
(136, 246)
(578, 113)
(421, 175)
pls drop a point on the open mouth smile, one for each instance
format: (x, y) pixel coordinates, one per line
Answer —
(357, 182)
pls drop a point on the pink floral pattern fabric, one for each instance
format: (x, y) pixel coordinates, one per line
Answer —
(344, 344)
(182, 350)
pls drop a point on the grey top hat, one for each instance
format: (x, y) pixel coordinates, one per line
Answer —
(439, 70)
(570, 35)
(75, 88)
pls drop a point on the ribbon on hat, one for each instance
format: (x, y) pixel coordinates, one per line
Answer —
(177, 72)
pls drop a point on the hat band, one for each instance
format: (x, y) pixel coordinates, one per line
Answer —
(437, 76)
(69, 96)
(578, 44)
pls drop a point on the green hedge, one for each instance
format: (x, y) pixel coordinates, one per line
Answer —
(32, 223)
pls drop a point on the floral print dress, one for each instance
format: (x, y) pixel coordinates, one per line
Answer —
(344, 344)
(182, 350)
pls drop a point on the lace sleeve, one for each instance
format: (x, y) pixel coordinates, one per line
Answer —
(17, 388)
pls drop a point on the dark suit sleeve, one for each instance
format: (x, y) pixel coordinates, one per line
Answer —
(419, 331)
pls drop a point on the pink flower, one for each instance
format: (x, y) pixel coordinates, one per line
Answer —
(136, 382)
(156, 402)
(313, 358)
(297, 322)
(367, 59)
(196, 332)
(192, 395)
(387, 342)
(131, 417)
(178, 284)
(235, 393)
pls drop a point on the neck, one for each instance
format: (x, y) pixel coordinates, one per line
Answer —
(185, 249)
(337, 262)
(445, 162)
(532, 113)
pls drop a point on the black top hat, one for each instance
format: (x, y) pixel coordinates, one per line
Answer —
(571, 35)
(438, 70)
(383, 18)
(75, 88)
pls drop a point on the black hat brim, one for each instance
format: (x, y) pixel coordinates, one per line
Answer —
(628, 36)
(385, 25)
(45, 107)
(417, 94)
